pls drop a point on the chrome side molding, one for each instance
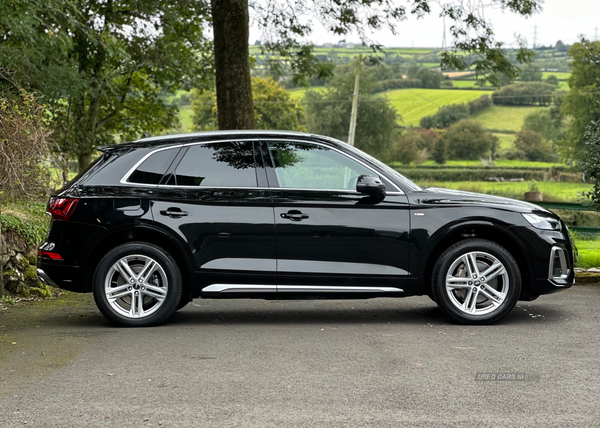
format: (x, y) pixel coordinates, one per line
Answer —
(252, 288)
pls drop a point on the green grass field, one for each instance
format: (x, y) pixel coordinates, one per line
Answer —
(505, 141)
(503, 117)
(413, 104)
(589, 251)
(503, 163)
(553, 191)
(467, 84)
(559, 75)
(185, 116)
(298, 94)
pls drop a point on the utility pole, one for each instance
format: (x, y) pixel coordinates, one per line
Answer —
(444, 38)
(534, 36)
(354, 114)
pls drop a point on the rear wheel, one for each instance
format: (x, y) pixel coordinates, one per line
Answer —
(476, 282)
(137, 284)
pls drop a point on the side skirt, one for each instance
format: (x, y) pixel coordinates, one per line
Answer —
(216, 291)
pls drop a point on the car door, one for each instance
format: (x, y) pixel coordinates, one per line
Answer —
(330, 238)
(216, 198)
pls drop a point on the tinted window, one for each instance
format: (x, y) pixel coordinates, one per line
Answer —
(228, 164)
(152, 169)
(311, 166)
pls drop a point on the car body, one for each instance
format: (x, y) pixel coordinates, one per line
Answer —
(287, 215)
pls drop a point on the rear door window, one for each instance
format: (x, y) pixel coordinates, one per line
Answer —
(226, 164)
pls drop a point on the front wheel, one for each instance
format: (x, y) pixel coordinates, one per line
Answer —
(476, 281)
(137, 285)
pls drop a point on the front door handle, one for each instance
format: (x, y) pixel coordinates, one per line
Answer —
(294, 215)
(174, 212)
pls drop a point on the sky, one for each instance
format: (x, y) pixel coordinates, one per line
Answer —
(559, 20)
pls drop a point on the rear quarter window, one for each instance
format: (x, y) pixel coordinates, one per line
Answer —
(152, 169)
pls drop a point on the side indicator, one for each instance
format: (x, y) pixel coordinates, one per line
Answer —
(419, 214)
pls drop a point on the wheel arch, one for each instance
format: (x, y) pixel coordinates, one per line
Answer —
(488, 230)
(144, 233)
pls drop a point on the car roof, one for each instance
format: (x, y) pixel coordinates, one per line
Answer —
(199, 136)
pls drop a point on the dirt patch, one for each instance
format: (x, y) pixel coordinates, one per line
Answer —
(37, 338)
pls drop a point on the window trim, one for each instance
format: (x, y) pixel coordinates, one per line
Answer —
(398, 191)
(125, 179)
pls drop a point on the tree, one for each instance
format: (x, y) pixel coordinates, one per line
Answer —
(446, 116)
(104, 67)
(553, 80)
(534, 146)
(581, 104)
(440, 152)
(328, 113)
(524, 93)
(591, 164)
(546, 122)
(234, 88)
(561, 47)
(273, 108)
(531, 73)
(468, 140)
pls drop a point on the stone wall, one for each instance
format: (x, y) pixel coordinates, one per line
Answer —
(18, 261)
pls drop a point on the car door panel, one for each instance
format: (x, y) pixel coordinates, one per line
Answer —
(328, 237)
(229, 230)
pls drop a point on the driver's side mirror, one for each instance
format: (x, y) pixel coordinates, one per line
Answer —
(370, 185)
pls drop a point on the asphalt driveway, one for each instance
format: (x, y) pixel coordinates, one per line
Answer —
(254, 363)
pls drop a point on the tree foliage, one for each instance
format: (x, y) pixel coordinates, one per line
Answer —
(581, 104)
(534, 146)
(591, 164)
(328, 113)
(549, 123)
(531, 73)
(23, 144)
(524, 94)
(469, 140)
(104, 67)
(452, 113)
(273, 108)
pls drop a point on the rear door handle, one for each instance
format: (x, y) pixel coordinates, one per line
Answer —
(174, 212)
(294, 215)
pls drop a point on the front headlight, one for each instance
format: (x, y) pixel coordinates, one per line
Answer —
(542, 222)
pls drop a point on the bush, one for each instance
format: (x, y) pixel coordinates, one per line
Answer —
(522, 94)
(534, 146)
(479, 104)
(23, 145)
(440, 152)
(423, 173)
(467, 139)
(446, 116)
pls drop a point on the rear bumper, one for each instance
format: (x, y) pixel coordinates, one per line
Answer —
(64, 277)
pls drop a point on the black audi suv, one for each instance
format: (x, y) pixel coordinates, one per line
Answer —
(155, 223)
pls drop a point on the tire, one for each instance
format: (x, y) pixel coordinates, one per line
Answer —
(476, 281)
(137, 285)
(183, 303)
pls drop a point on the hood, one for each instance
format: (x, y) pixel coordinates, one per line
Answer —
(440, 196)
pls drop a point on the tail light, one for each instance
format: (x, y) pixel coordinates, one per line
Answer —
(61, 208)
(49, 255)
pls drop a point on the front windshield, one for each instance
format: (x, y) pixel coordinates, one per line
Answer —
(388, 170)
